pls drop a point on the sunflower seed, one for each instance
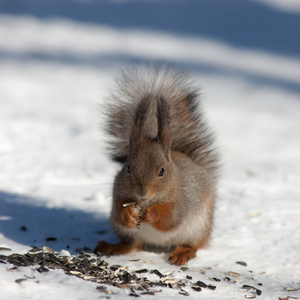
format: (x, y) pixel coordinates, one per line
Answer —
(168, 273)
(146, 261)
(242, 263)
(290, 289)
(171, 280)
(129, 204)
(4, 249)
(75, 272)
(45, 248)
(184, 293)
(89, 277)
(234, 273)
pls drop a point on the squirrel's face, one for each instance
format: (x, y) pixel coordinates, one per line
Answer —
(147, 170)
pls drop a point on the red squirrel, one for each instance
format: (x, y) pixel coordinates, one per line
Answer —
(164, 194)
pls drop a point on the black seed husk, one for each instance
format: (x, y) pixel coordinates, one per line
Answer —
(201, 284)
(216, 279)
(42, 269)
(115, 267)
(101, 231)
(250, 287)
(51, 239)
(34, 249)
(258, 292)
(134, 295)
(156, 272)
(141, 271)
(197, 288)
(20, 280)
(148, 293)
(211, 287)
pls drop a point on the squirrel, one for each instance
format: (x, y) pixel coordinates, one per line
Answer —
(164, 194)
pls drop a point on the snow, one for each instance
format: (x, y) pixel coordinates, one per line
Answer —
(288, 5)
(56, 179)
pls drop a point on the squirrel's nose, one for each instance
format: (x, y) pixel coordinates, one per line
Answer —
(142, 193)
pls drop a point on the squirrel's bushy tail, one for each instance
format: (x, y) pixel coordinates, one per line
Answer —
(188, 131)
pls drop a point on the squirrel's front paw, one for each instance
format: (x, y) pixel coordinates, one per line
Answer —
(149, 215)
(129, 218)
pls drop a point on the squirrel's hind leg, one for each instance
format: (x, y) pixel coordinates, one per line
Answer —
(116, 249)
(182, 254)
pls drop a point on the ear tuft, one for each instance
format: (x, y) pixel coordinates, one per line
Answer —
(163, 122)
(140, 118)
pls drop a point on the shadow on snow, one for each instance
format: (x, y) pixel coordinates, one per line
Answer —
(240, 23)
(71, 228)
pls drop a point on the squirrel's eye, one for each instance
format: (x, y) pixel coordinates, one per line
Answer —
(128, 169)
(161, 172)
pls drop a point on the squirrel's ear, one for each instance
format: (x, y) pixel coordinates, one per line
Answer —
(163, 121)
(139, 120)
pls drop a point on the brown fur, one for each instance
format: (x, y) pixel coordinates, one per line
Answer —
(181, 255)
(117, 249)
(168, 166)
(158, 216)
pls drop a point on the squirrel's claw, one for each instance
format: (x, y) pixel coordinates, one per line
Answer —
(129, 218)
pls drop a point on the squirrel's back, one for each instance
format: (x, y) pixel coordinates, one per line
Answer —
(188, 131)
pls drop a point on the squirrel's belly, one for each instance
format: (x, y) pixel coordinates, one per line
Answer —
(183, 234)
(150, 235)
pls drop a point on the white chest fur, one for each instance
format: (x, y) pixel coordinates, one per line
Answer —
(185, 233)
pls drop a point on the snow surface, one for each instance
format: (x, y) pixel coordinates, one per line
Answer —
(56, 179)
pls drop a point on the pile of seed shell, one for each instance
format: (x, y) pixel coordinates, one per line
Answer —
(88, 266)
(91, 267)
